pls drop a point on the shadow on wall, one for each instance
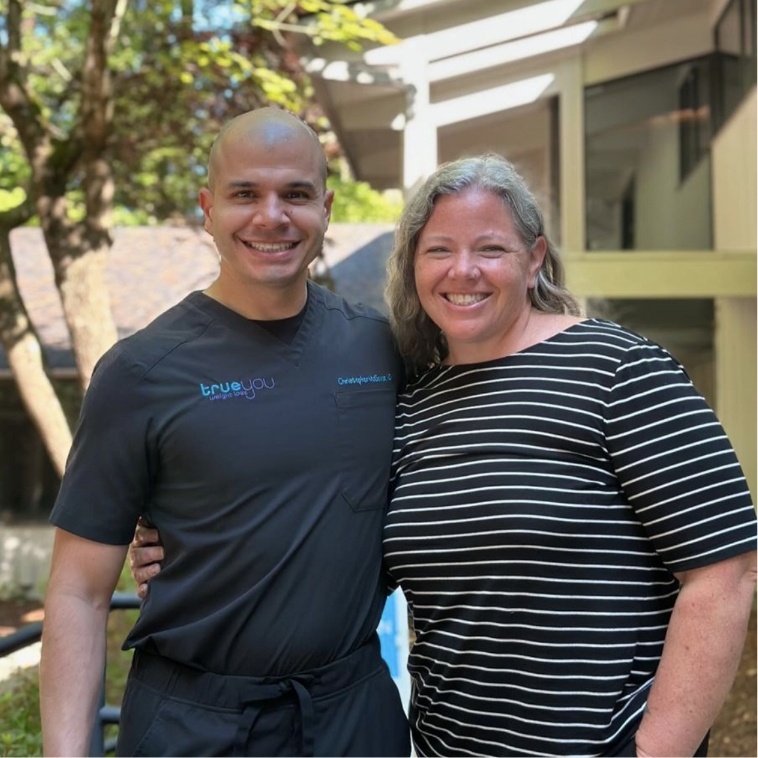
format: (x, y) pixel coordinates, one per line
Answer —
(360, 277)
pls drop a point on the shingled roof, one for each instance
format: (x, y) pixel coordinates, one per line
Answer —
(151, 268)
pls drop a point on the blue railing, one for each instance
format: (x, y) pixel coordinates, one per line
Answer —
(106, 714)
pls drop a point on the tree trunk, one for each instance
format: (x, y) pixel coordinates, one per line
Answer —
(81, 273)
(80, 279)
(27, 364)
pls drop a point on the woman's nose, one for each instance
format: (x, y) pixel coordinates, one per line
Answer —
(464, 266)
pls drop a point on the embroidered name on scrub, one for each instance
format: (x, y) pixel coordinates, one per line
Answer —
(246, 388)
(373, 379)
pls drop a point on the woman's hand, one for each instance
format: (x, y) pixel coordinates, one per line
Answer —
(145, 554)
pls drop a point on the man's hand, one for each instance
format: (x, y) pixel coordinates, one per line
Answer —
(145, 554)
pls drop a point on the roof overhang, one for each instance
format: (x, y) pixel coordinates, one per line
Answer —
(475, 58)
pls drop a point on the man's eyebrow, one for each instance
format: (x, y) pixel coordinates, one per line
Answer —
(297, 184)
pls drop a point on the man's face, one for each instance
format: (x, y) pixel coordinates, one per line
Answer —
(268, 211)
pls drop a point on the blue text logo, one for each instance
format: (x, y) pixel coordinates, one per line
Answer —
(246, 388)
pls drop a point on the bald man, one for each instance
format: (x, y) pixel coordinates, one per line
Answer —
(252, 425)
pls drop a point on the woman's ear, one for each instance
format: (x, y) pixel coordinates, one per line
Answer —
(536, 259)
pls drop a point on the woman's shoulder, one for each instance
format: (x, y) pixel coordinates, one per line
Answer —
(604, 330)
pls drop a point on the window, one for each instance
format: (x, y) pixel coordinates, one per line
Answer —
(644, 134)
(735, 59)
(693, 115)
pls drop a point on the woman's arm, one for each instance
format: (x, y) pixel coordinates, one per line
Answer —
(145, 554)
(700, 656)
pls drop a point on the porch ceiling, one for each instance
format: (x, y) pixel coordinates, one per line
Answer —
(467, 47)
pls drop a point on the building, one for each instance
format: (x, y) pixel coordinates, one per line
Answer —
(633, 120)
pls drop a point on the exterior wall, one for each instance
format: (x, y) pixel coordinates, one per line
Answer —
(669, 214)
(734, 180)
(734, 201)
(736, 378)
(717, 8)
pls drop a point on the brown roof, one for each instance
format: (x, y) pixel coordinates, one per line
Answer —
(151, 268)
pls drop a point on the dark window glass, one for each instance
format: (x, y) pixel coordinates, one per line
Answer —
(735, 59)
(647, 139)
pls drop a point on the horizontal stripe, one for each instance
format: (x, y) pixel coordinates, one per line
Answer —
(540, 506)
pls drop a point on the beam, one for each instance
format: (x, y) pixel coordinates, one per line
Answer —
(494, 100)
(386, 10)
(520, 23)
(664, 274)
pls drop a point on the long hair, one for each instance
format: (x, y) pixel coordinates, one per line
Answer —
(419, 339)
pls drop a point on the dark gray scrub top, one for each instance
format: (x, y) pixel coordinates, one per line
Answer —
(264, 466)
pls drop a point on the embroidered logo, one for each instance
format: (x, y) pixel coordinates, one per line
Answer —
(372, 379)
(247, 388)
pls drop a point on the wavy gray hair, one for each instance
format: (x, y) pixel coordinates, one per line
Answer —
(419, 339)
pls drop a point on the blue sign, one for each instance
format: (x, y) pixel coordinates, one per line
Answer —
(393, 637)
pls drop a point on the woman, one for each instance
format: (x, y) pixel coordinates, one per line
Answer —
(568, 521)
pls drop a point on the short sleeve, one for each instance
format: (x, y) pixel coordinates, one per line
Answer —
(106, 485)
(675, 464)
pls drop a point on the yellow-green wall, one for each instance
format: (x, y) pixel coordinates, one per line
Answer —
(734, 226)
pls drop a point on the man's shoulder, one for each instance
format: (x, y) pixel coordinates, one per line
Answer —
(349, 310)
(141, 351)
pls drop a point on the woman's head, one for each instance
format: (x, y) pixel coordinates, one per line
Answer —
(419, 338)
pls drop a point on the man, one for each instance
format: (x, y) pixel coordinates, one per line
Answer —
(252, 424)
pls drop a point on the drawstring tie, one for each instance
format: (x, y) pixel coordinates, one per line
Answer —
(254, 696)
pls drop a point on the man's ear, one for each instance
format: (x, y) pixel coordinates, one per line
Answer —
(328, 200)
(205, 199)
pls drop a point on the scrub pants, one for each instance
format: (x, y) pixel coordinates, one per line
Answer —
(349, 708)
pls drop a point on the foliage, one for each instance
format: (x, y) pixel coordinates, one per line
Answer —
(110, 108)
(357, 202)
(180, 69)
(19, 716)
(20, 731)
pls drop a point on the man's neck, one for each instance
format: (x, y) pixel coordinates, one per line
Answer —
(261, 304)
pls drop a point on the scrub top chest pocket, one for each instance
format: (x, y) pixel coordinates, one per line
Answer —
(366, 426)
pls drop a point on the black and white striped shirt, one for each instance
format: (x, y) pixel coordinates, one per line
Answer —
(541, 503)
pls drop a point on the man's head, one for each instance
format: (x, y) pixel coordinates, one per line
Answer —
(269, 125)
(267, 207)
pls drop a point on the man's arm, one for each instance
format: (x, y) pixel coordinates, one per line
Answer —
(700, 656)
(83, 576)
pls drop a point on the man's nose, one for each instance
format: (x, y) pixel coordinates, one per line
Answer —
(270, 211)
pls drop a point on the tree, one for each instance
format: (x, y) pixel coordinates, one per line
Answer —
(111, 106)
(77, 248)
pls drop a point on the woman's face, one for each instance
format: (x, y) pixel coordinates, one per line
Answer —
(473, 274)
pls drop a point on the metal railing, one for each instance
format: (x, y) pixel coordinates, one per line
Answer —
(29, 634)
